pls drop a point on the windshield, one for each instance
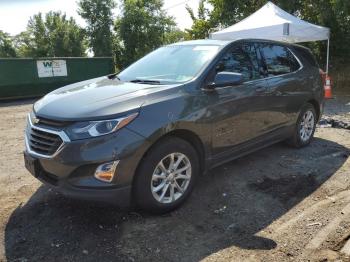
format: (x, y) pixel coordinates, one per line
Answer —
(170, 64)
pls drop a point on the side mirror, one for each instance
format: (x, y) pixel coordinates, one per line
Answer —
(226, 79)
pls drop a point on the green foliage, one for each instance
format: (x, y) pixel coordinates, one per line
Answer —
(99, 18)
(202, 24)
(22, 43)
(173, 36)
(6, 46)
(53, 36)
(142, 27)
(334, 14)
(229, 12)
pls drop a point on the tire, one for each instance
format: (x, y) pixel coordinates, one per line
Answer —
(151, 176)
(299, 140)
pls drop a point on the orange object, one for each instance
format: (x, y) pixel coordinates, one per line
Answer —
(328, 87)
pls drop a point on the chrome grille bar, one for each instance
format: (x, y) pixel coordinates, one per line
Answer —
(42, 142)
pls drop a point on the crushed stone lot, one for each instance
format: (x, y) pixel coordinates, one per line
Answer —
(277, 204)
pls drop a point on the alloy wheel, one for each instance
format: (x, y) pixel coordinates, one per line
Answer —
(307, 125)
(171, 178)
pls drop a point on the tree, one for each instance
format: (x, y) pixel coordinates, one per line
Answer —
(229, 12)
(6, 46)
(334, 14)
(225, 13)
(202, 24)
(21, 43)
(142, 27)
(173, 36)
(99, 18)
(53, 36)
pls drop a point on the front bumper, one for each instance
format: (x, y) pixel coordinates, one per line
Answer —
(121, 196)
(71, 170)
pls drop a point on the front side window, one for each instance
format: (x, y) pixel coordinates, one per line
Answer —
(254, 55)
(279, 60)
(240, 59)
(171, 64)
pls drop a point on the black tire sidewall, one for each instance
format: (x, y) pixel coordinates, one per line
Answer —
(142, 186)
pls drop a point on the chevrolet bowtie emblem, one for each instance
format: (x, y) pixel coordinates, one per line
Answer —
(36, 120)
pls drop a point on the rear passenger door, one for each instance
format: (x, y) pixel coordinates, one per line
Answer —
(281, 69)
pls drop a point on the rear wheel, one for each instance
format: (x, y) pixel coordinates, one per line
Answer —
(305, 127)
(166, 176)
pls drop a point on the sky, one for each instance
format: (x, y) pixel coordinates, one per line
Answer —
(14, 14)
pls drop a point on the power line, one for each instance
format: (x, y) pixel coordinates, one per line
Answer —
(170, 7)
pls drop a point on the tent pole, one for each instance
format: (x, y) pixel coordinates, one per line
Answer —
(327, 57)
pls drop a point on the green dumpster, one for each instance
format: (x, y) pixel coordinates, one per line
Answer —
(30, 77)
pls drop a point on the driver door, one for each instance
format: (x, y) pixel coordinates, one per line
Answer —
(238, 111)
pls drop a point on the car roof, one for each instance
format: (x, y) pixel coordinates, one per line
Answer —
(204, 42)
(226, 42)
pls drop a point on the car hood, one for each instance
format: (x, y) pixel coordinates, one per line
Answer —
(95, 99)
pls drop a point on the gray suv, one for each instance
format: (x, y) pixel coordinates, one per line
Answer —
(145, 135)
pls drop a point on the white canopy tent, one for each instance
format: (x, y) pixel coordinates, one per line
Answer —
(271, 22)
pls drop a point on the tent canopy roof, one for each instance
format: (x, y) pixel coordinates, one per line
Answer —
(271, 22)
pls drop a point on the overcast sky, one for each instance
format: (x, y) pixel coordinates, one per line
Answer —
(14, 14)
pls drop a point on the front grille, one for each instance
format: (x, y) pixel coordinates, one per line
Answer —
(52, 123)
(43, 142)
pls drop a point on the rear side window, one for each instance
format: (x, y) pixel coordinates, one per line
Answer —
(279, 60)
(308, 56)
(238, 60)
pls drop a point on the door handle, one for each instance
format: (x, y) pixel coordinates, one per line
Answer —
(260, 89)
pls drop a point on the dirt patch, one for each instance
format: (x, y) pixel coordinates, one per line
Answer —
(286, 188)
(272, 205)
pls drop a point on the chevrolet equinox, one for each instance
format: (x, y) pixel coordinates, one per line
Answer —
(144, 136)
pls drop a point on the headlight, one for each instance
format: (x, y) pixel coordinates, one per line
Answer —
(88, 129)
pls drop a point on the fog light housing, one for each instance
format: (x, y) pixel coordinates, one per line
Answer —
(105, 172)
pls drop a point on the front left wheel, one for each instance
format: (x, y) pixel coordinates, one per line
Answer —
(166, 175)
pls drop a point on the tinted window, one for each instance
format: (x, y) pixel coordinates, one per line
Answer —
(279, 60)
(236, 60)
(251, 51)
(308, 56)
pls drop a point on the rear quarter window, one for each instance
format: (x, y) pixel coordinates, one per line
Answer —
(307, 56)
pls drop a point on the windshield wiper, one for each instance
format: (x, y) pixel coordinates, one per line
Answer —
(113, 76)
(145, 81)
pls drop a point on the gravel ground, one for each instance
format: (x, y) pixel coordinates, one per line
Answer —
(277, 204)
